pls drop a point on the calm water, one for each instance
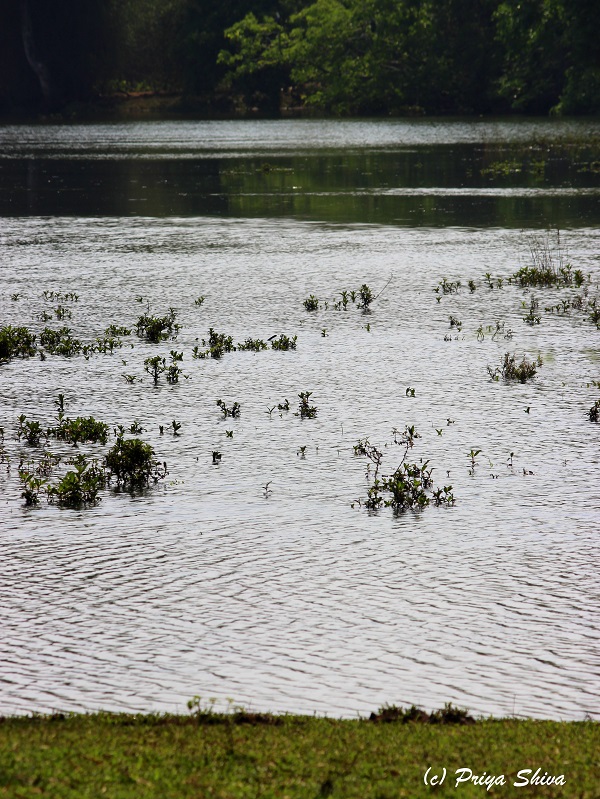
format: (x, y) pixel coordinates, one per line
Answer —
(298, 601)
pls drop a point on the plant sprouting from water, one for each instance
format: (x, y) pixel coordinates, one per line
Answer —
(284, 342)
(132, 464)
(409, 486)
(155, 366)
(311, 303)
(233, 411)
(157, 328)
(511, 369)
(305, 409)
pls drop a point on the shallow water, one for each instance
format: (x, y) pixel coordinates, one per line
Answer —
(299, 601)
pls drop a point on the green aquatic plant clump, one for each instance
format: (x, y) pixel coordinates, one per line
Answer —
(80, 486)
(60, 342)
(252, 344)
(217, 345)
(16, 342)
(548, 267)
(311, 303)
(594, 411)
(305, 409)
(511, 369)
(284, 342)
(409, 486)
(133, 465)
(83, 428)
(157, 328)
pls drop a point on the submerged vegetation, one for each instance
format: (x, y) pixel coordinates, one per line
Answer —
(80, 480)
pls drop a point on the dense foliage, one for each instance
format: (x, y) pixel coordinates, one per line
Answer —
(338, 56)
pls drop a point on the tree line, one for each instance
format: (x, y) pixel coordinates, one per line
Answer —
(362, 57)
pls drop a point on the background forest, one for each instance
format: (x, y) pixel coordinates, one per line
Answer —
(359, 57)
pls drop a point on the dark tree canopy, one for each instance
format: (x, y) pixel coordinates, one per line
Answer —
(338, 56)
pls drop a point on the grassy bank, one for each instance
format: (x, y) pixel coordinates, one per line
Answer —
(252, 755)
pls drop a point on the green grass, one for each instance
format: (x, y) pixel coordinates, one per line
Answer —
(275, 757)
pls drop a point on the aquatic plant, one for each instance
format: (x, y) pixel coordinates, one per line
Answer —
(173, 370)
(60, 342)
(472, 286)
(311, 303)
(472, 455)
(594, 411)
(133, 465)
(284, 406)
(80, 486)
(62, 313)
(32, 484)
(510, 369)
(16, 342)
(454, 322)
(217, 344)
(155, 366)
(80, 429)
(114, 331)
(549, 267)
(254, 344)
(284, 342)
(532, 318)
(448, 286)
(157, 328)
(365, 298)
(32, 432)
(409, 486)
(305, 409)
(176, 427)
(199, 300)
(234, 411)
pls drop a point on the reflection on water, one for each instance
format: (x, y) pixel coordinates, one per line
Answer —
(510, 175)
(297, 601)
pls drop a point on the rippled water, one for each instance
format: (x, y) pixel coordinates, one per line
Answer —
(299, 601)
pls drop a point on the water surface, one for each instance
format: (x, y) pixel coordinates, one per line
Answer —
(297, 600)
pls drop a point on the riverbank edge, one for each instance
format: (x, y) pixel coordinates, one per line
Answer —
(243, 754)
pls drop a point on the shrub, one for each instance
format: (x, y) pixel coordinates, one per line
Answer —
(16, 342)
(157, 328)
(133, 465)
(83, 428)
(79, 487)
(284, 342)
(60, 342)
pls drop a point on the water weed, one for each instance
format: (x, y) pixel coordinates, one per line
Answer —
(157, 328)
(284, 342)
(253, 344)
(80, 486)
(549, 267)
(594, 411)
(305, 409)
(510, 369)
(16, 342)
(233, 411)
(155, 366)
(311, 303)
(132, 464)
(60, 342)
(532, 318)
